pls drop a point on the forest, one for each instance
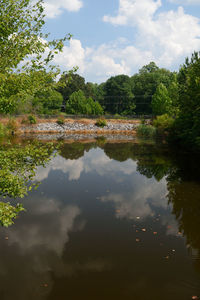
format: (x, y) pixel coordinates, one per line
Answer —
(31, 84)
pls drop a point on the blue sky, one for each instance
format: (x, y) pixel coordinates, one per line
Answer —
(112, 37)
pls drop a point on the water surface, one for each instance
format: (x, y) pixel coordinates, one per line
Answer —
(109, 221)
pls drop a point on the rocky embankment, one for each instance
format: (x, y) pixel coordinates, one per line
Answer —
(79, 127)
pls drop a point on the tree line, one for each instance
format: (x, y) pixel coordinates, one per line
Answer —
(28, 79)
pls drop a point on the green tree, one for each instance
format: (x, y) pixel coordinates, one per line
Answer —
(70, 83)
(79, 104)
(46, 102)
(161, 101)
(22, 51)
(186, 130)
(145, 83)
(118, 94)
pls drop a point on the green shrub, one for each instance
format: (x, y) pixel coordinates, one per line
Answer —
(163, 123)
(60, 121)
(32, 119)
(12, 126)
(2, 130)
(146, 130)
(101, 122)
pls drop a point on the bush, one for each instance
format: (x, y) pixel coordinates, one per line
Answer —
(146, 130)
(32, 119)
(2, 130)
(163, 123)
(60, 121)
(101, 122)
(12, 126)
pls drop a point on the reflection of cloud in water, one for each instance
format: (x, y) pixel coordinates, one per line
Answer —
(34, 250)
(94, 160)
(145, 194)
(48, 225)
(72, 167)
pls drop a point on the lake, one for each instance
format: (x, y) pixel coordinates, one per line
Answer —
(110, 220)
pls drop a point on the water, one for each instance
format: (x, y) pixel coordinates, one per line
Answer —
(109, 221)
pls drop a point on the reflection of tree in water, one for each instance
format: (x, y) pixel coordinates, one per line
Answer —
(182, 175)
(18, 164)
(75, 150)
(152, 161)
(184, 195)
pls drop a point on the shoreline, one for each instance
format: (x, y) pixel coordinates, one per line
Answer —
(82, 126)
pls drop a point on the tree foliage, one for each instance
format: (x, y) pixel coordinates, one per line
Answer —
(161, 101)
(18, 166)
(186, 131)
(145, 83)
(79, 104)
(118, 94)
(25, 53)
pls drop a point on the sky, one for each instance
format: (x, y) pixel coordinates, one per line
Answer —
(112, 37)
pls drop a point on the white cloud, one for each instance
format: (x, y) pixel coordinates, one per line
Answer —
(71, 56)
(185, 2)
(54, 8)
(99, 63)
(165, 37)
(169, 36)
(134, 12)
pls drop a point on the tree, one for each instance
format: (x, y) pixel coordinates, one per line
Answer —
(118, 94)
(145, 83)
(79, 104)
(20, 26)
(186, 131)
(22, 42)
(161, 101)
(71, 83)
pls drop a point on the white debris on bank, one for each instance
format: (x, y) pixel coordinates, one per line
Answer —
(54, 127)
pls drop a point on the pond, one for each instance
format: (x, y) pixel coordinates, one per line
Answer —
(110, 220)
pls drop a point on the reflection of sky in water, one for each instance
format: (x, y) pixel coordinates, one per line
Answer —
(142, 197)
(82, 221)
